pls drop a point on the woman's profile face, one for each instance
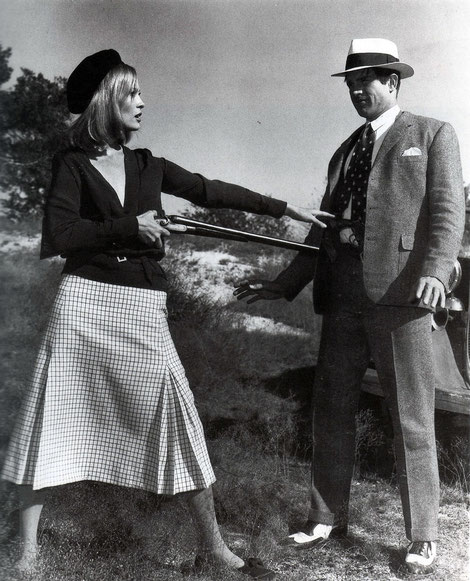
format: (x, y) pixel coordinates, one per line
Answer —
(131, 109)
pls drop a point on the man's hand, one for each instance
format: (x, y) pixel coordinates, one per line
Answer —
(346, 236)
(307, 215)
(430, 291)
(258, 290)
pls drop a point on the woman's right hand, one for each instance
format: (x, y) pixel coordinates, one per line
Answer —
(151, 232)
(307, 215)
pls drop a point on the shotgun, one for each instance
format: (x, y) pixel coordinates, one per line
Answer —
(211, 231)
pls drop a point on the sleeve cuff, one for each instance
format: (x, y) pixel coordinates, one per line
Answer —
(127, 227)
(276, 208)
(286, 283)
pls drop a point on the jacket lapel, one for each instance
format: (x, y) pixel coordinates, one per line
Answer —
(337, 165)
(393, 136)
(132, 180)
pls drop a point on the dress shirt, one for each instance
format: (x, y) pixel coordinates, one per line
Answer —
(380, 126)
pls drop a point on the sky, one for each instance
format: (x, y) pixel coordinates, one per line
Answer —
(241, 90)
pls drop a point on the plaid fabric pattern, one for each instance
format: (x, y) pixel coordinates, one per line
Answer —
(109, 399)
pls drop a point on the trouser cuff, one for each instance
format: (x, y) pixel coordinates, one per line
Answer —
(423, 534)
(322, 517)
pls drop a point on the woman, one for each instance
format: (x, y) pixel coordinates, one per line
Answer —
(109, 399)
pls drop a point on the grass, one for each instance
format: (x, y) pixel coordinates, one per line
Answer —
(256, 424)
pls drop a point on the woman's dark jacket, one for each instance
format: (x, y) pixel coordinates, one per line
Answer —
(85, 222)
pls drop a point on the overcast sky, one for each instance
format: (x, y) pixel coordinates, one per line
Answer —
(241, 90)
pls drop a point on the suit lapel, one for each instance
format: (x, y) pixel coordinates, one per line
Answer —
(132, 180)
(393, 136)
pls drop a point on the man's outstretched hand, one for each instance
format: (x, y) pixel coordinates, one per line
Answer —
(256, 290)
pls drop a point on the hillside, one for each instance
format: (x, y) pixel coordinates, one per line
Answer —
(236, 357)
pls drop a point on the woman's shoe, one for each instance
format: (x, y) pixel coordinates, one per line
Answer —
(253, 567)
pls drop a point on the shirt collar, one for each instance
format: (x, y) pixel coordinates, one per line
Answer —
(385, 120)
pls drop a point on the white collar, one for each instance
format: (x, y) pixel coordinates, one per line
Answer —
(386, 119)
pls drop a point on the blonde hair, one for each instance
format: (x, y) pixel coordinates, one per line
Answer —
(101, 123)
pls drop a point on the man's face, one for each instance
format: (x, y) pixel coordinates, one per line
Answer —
(369, 95)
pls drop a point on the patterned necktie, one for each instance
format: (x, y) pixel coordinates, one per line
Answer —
(357, 177)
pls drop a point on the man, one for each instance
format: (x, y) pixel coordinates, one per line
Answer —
(396, 188)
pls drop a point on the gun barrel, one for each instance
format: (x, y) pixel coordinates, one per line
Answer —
(204, 229)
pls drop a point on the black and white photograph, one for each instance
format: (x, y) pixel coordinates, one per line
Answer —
(235, 290)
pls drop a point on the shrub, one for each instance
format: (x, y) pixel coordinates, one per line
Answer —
(454, 464)
(28, 289)
(227, 218)
(32, 122)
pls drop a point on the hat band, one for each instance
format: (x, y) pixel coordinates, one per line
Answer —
(369, 59)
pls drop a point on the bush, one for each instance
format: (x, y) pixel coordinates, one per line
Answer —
(28, 289)
(33, 118)
(227, 218)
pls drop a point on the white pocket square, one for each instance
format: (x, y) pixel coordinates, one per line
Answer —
(412, 151)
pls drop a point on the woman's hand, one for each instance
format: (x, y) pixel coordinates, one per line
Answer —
(258, 289)
(307, 215)
(151, 232)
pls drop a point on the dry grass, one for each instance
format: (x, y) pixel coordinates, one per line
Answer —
(91, 531)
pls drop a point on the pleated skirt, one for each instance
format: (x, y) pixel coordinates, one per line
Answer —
(109, 400)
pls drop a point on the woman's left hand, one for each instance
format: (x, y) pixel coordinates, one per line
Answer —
(307, 215)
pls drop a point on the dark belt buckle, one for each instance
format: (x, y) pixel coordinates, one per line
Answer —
(121, 258)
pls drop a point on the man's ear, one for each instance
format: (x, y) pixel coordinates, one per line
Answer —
(393, 82)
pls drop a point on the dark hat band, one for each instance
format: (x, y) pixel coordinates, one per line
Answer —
(369, 59)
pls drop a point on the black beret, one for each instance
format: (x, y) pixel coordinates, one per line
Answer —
(86, 78)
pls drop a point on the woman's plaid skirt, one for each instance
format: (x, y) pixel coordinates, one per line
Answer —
(109, 399)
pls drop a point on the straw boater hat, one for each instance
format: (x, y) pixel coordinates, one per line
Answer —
(367, 53)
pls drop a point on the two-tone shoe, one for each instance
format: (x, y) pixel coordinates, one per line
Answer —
(420, 557)
(314, 534)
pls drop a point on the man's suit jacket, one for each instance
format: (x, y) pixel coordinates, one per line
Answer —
(414, 219)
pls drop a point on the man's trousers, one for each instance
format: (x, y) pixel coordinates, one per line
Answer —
(399, 341)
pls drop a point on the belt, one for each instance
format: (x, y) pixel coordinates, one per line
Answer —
(148, 265)
(333, 245)
(350, 250)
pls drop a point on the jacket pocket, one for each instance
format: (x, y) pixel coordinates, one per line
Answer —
(407, 242)
(413, 158)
